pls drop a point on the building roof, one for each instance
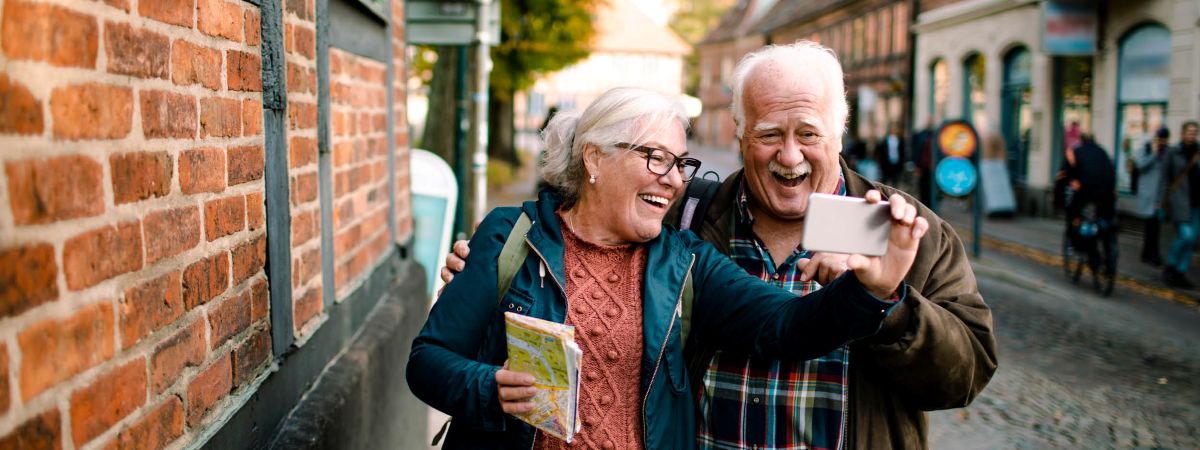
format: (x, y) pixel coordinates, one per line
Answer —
(739, 20)
(622, 27)
(791, 12)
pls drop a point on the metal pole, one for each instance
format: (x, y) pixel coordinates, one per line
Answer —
(976, 158)
(483, 67)
(461, 126)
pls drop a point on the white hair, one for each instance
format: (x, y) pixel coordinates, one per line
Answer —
(621, 115)
(804, 56)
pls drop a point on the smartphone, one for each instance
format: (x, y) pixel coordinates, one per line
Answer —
(840, 224)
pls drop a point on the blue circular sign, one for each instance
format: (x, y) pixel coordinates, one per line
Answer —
(956, 176)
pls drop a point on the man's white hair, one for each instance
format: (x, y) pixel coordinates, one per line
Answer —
(805, 56)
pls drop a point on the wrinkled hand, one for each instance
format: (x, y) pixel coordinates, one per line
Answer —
(515, 390)
(456, 261)
(825, 267)
(881, 275)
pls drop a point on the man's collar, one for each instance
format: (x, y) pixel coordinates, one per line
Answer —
(743, 197)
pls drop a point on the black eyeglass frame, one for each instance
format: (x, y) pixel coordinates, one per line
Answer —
(683, 162)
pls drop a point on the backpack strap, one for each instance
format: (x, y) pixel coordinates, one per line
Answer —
(697, 198)
(685, 314)
(511, 256)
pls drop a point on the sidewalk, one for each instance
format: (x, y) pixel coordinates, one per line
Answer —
(1040, 240)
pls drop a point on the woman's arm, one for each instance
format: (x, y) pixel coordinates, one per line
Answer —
(441, 367)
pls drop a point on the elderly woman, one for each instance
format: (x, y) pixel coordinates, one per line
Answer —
(602, 261)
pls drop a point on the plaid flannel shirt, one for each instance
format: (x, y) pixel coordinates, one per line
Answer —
(770, 404)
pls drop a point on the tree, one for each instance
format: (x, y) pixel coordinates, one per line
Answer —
(536, 37)
(693, 19)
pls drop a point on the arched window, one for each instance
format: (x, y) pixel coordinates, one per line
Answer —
(974, 98)
(939, 89)
(1016, 116)
(1143, 85)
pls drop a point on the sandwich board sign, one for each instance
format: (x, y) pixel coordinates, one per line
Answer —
(434, 196)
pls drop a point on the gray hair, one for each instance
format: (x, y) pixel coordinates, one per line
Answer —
(619, 115)
(805, 55)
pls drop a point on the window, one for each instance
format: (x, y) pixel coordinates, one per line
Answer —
(872, 35)
(885, 32)
(939, 89)
(974, 97)
(1143, 84)
(1016, 117)
(900, 32)
(858, 40)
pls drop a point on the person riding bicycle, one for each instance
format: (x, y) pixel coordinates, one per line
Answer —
(1090, 179)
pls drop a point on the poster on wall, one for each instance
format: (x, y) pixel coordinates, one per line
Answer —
(1069, 27)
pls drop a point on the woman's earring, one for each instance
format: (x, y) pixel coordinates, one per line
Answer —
(592, 179)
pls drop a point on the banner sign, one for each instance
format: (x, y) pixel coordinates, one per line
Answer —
(1069, 27)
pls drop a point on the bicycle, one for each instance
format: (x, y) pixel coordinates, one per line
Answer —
(1081, 247)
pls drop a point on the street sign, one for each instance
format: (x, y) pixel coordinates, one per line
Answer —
(958, 139)
(438, 22)
(956, 176)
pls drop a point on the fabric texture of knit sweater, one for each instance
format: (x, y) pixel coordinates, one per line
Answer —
(604, 303)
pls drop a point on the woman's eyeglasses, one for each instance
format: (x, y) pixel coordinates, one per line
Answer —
(660, 162)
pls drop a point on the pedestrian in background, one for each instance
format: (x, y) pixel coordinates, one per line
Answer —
(922, 159)
(1149, 167)
(890, 152)
(1181, 198)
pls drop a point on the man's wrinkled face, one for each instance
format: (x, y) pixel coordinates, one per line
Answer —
(789, 144)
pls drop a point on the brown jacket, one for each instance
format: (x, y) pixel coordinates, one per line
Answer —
(936, 351)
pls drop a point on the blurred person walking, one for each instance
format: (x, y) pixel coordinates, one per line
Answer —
(1181, 198)
(1149, 166)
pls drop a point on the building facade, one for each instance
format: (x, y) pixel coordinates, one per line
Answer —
(204, 225)
(1039, 73)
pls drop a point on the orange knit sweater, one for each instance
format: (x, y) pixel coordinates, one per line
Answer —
(604, 302)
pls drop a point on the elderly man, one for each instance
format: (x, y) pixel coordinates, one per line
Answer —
(935, 351)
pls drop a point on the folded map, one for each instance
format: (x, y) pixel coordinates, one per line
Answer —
(548, 351)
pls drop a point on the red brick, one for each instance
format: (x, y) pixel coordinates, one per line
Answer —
(303, 152)
(41, 432)
(175, 12)
(220, 117)
(305, 41)
(250, 355)
(310, 264)
(147, 307)
(219, 18)
(259, 301)
(54, 350)
(168, 115)
(154, 430)
(244, 71)
(253, 28)
(205, 279)
(5, 399)
(182, 350)
(49, 33)
(20, 112)
(252, 117)
(304, 188)
(53, 189)
(102, 253)
(249, 259)
(298, 79)
(202, 170)
(138, 52)
(230, 317)
(140, 175)
(302, 116)
(245, 164)
(28, 276)
(254, 211)
(299, 8)
(171, 232)
(91, 111)
(224, 216)
(304, 227)
(307, 307)
(98, 406)
(195, 64)
(207, 388)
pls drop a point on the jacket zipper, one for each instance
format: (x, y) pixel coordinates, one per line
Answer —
(662, 350)
(542, 274)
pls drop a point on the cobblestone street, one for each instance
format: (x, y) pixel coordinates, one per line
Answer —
(1078, 370)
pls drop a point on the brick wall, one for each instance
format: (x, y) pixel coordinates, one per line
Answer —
(358, 122)
(403, 195)
(133, 297)
(133, 300)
